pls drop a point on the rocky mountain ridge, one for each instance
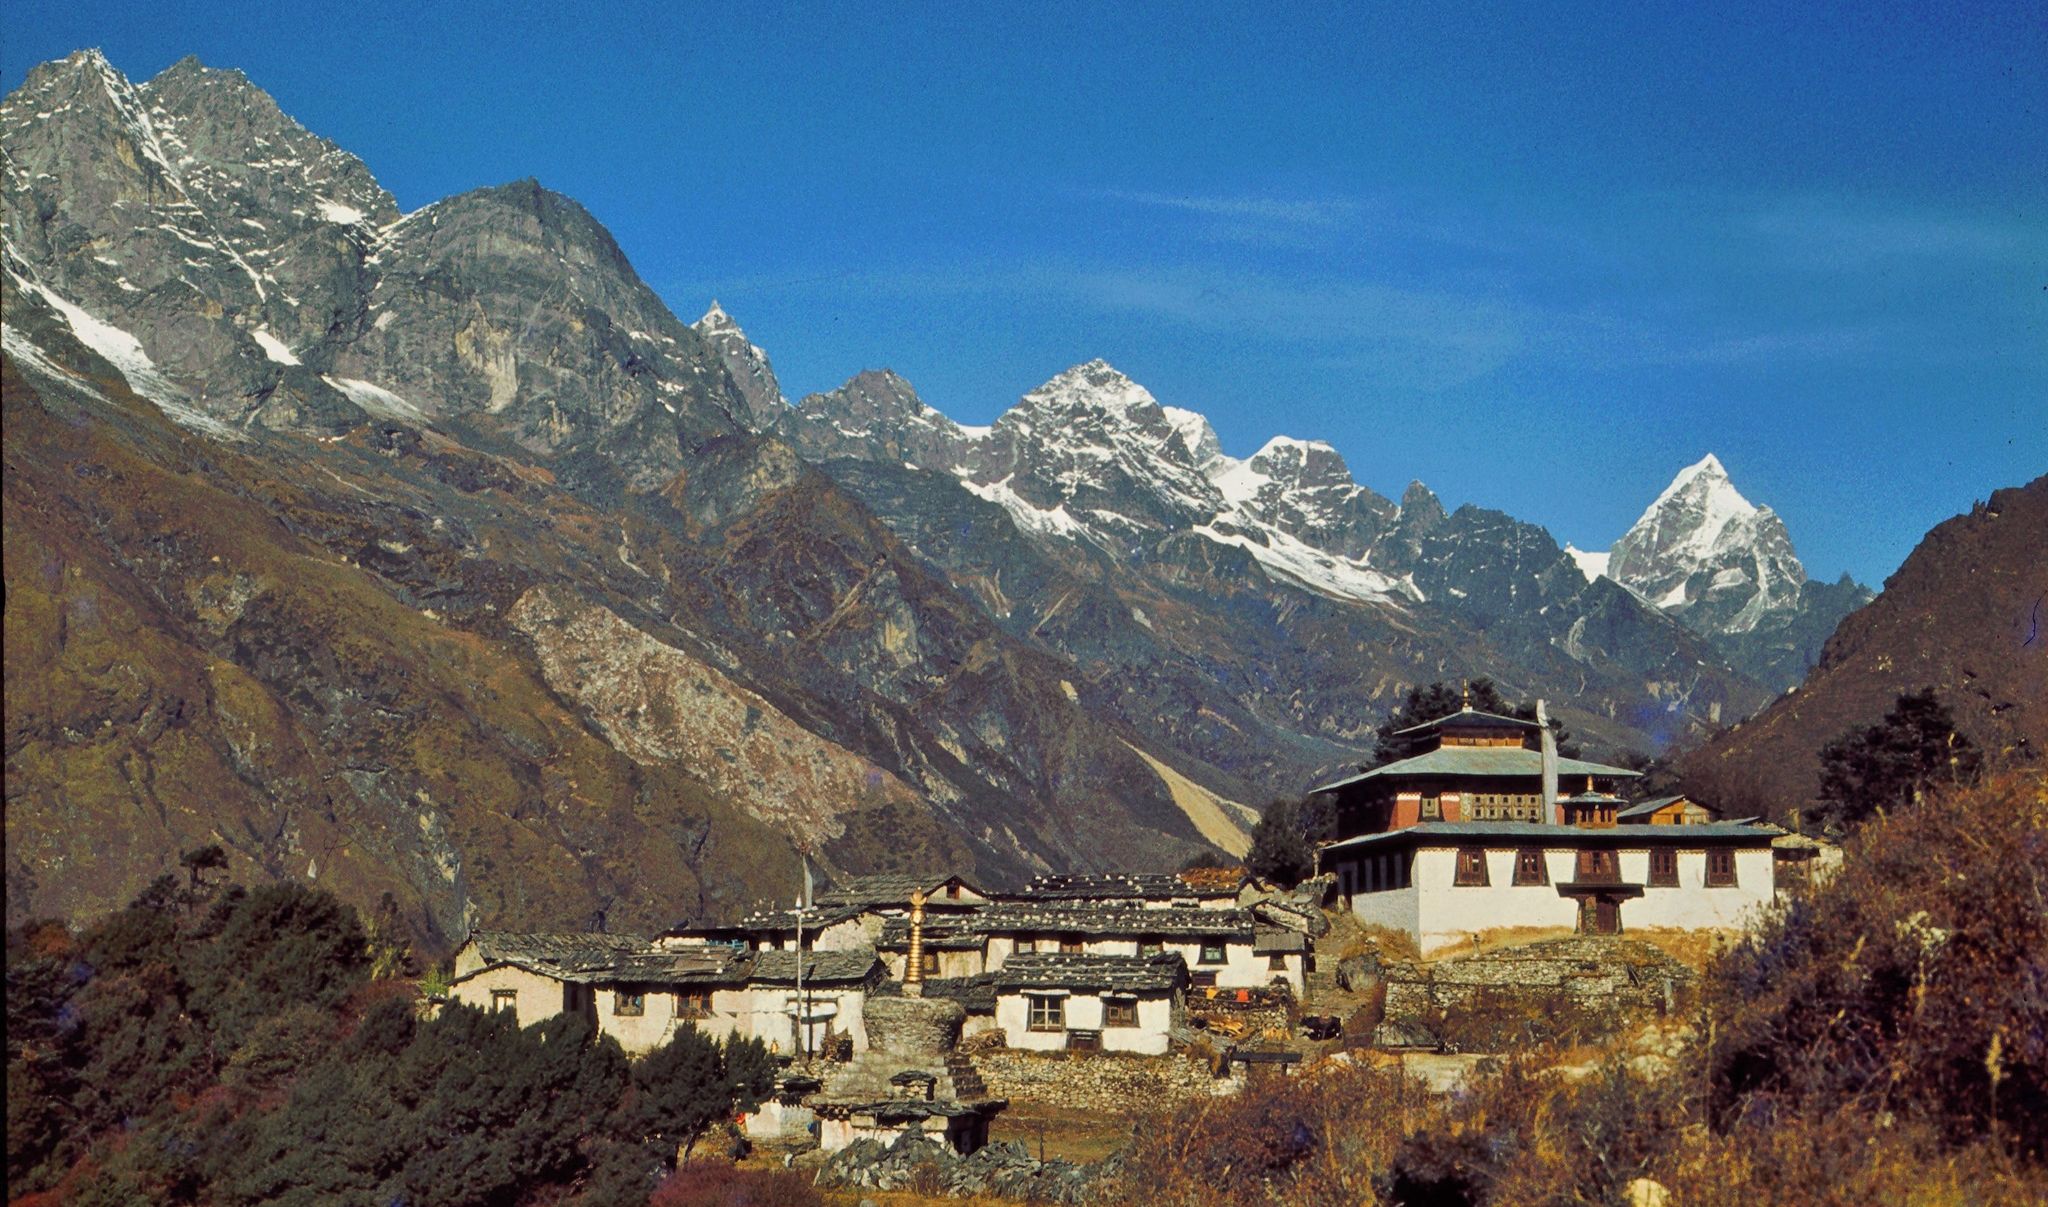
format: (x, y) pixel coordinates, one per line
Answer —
(504, 460)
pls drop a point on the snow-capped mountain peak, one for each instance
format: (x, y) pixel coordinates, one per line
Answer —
(760, 394)
(1703, 548)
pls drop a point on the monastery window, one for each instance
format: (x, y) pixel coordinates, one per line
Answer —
(1721, 868)
(1212, 952)
(1119, 1012)
(505, 999)
(1529, 867)
(1048, 1013)
(693, 1003)
(1663, 867)
(1432, 808)
(629, 1005)
(1471, 868)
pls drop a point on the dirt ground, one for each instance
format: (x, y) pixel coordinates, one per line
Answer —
(1068, 1135)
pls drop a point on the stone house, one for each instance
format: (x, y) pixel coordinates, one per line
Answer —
(1443, 882)
(1219, 945)
(640, 992)
(1052, 1002)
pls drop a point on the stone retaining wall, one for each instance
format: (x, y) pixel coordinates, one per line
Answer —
(1099, 1081)
(1593, 979)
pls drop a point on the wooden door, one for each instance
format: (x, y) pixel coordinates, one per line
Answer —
(1606, 917)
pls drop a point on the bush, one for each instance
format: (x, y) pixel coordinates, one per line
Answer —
(720, 1185)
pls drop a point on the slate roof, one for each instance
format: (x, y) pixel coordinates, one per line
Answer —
(963, 933)
(1267, 941)
(1651, 806)
(815, 918)
(1114, 886)
(1052, 970)
(1530, 833)
(592, 958)
(888, 888)
(1184, 921)
(1482, 761)
(779, 966)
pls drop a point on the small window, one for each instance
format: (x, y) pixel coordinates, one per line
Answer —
(1432, 808)
(1277, 962)
(1048, 1013)
(1471, 868)
(1213, 953)
(1119, 1012)
(930, 962)
(1597, 866)
(1027, 947)
(1721, 868)
(505, 999)
(1529, 867)
(1070, 944)
(1151, 947)
(1663, 867)
(693, 1003)
(629, 1005)
(1202, 980)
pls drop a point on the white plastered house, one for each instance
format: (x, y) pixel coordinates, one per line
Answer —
(1053, 1002)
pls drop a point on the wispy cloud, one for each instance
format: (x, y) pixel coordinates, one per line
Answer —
(1855, 231)
(1321, 212)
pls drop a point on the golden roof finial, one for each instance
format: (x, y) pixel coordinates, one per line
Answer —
(1467, 695)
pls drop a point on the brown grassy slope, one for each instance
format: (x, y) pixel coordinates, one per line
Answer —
(1967, 614)
(184, 667)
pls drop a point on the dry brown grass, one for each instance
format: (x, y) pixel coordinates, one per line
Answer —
(1064, 1133)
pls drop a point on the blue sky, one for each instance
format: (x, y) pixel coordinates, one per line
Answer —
(1540, 258)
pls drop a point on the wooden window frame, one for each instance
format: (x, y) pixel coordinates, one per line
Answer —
(1663, 867)
(1045, 1012)
(1722, 876)
(1471, 868)
(1072, 945)
(628, 1005)
(1276, 961)
(1205, 979)
(505, 999)
(1119, 1012)
(930, 961)
(693, 1003)
(1213, 951)
(1532, 866)
(1026, 947)
(1151, 947)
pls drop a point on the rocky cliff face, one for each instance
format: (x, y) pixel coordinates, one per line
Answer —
(1967, 614)
(431, 554)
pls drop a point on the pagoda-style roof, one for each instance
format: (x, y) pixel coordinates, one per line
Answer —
(1504, 762)
(1470, 718)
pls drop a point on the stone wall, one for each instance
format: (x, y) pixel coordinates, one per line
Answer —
(1099, 1081)
(1493, 998)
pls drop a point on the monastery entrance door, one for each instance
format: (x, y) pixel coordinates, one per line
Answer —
(1606, 916)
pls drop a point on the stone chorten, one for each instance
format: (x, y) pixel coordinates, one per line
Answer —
(912, 1074)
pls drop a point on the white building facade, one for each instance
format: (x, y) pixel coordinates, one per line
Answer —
(1445, 882)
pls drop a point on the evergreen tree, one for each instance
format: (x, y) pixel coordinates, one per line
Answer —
(1892, 763)
(1284, 841)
